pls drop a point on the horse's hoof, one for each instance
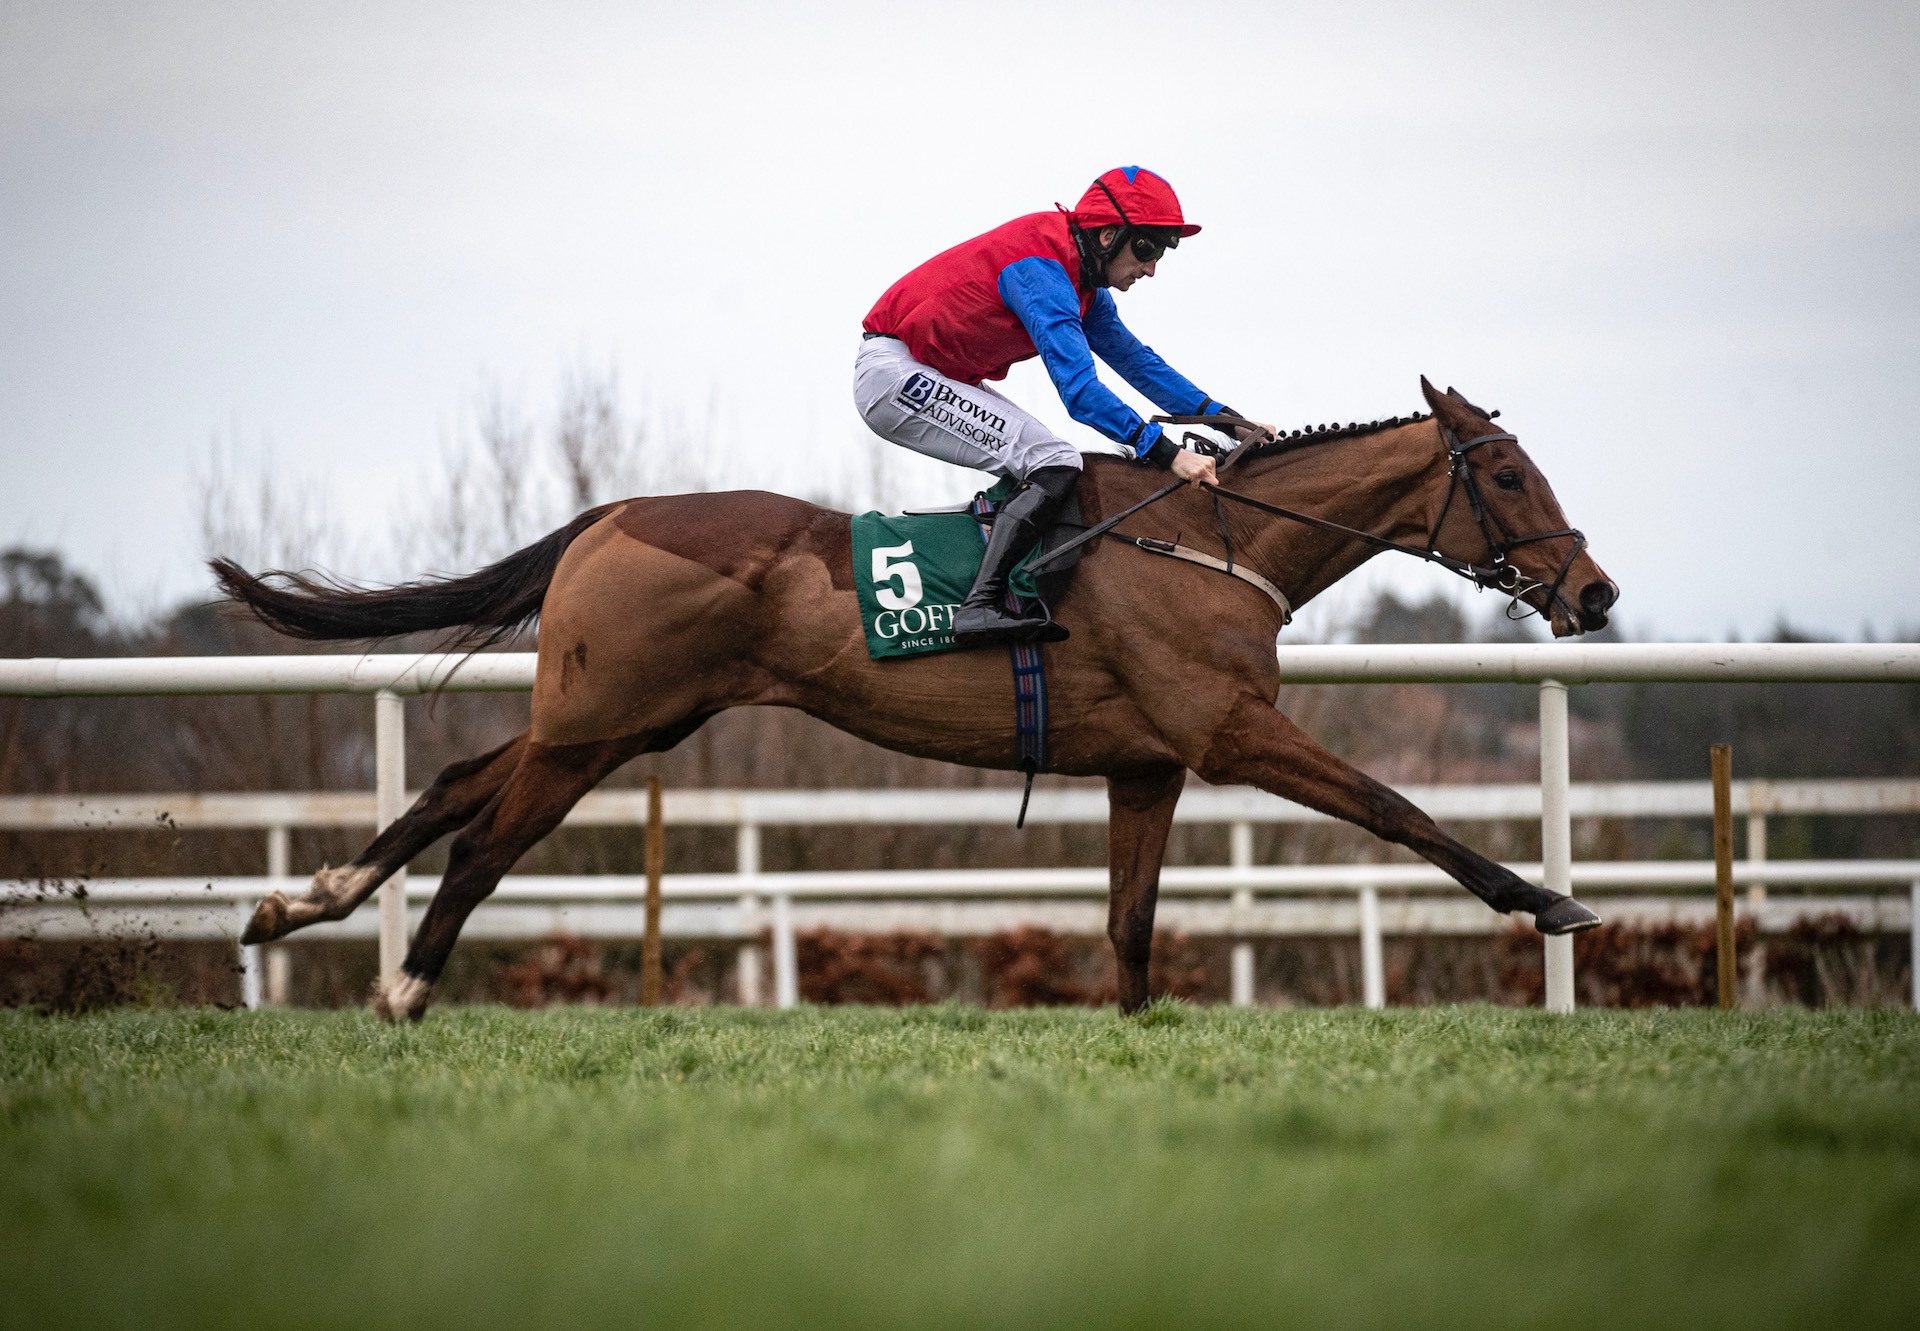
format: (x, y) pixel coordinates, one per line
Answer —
(269, 920)
(403, 1000)
(1565, 916)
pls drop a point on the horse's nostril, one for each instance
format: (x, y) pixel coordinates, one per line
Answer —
(1598, 597)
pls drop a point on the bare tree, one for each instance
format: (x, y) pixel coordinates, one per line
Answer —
(596, 455)
(259, 515)
(505, 439)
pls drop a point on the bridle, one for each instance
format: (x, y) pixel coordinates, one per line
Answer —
(1500, 574)
(1496, 573)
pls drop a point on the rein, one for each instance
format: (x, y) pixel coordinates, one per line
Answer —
(1060, 552)
(1500, 574)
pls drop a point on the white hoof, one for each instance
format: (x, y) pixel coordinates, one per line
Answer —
(405, 999)
(335, 886)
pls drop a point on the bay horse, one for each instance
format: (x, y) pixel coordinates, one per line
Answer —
(657, 613)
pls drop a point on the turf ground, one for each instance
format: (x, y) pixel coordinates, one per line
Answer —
(952, 1167)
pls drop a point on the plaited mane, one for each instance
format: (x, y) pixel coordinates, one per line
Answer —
(1320, 434)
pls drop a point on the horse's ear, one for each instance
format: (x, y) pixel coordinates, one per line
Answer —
(1428, 391)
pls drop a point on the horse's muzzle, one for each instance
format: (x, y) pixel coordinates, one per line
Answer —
(1596, 598)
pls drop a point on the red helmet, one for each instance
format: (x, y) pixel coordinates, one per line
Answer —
(1132, 196)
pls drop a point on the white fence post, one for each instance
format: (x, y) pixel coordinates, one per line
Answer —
(786, 965)
(1756, 892)
(1556, 834)
(279, 956)
(249, 962)
(1241, 857)
(250, 968)
(1373, 971)
(746, 845)
(389, 802)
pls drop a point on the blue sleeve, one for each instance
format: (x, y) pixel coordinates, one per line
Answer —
(1140, 365)
(1041, 294)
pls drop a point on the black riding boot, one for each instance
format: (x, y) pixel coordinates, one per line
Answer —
(1021, 522)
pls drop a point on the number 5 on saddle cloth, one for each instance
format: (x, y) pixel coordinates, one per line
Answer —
(912, 571)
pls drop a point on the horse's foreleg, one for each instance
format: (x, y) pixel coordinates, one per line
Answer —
(1258, 746)
(1139, 816)
(455, 796)
(547, 781)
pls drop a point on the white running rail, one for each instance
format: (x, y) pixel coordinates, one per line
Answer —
(1551, 666)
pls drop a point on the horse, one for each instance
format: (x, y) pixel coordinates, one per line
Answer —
(656, 613)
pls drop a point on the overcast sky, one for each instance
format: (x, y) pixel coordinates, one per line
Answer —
(1678, 244)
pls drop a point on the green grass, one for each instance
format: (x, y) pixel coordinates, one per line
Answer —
(952, 1167)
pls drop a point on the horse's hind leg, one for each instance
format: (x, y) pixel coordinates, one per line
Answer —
(1139, 816)
(1258, 746)
(547, 782)
(455, 796)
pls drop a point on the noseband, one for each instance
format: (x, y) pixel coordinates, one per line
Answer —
(1499, 574)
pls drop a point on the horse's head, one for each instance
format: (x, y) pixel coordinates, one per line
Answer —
(1498, 514)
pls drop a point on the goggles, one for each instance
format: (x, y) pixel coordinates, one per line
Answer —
(1147, 248)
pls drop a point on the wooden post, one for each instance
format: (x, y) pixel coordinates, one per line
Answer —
(656, 862)
(1723, 870)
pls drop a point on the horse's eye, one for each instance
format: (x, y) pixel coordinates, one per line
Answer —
(1509, 479)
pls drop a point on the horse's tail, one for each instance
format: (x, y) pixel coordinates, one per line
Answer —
(486, 606)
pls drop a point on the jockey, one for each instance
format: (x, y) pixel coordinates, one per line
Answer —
(1039, 285)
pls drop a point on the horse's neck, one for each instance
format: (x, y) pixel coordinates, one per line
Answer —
(1377, 483)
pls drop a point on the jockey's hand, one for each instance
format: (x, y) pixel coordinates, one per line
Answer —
(1255, 430)
(1194, 468)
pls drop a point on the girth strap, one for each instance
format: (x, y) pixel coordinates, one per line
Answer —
(1029, 683)
(1201, 557)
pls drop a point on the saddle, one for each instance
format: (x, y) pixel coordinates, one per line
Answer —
(912, 570)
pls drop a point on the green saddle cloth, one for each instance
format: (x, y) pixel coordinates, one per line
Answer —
(913, 571)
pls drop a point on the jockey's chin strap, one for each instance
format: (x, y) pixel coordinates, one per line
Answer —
(1498, 573)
